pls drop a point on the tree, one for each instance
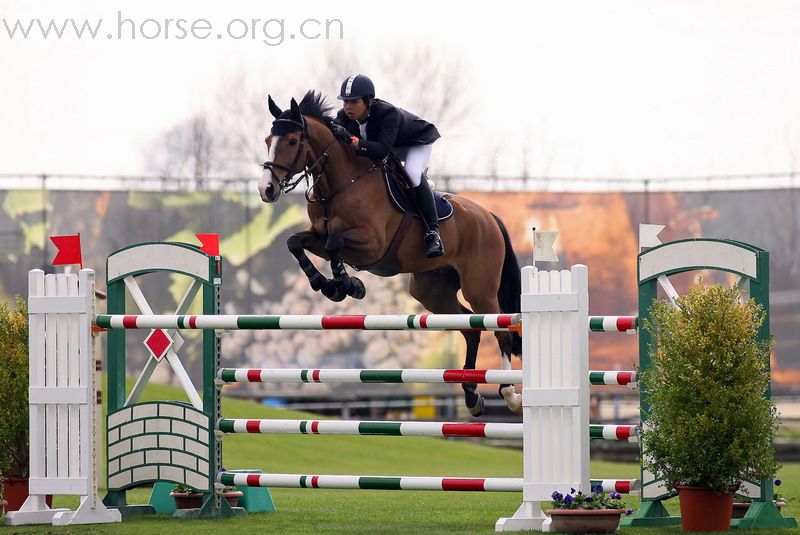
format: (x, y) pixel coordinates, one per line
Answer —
(188, 149)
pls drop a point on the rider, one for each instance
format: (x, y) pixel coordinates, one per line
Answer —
(375, 127)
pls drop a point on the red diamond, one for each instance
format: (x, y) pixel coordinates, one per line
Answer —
(158, 343)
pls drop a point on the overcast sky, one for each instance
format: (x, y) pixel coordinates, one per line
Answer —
(621, 89)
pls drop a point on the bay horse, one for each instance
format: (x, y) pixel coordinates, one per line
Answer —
(354, 222)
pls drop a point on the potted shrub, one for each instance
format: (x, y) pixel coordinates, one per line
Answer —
(708, 426)
(14, 448)
(576, 512)
(187, 497)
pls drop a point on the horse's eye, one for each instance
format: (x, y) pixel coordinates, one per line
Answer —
(292, 142)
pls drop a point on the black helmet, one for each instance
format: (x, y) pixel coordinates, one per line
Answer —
(355, 87)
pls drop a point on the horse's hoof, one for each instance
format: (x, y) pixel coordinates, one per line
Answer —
(317, 282)
(333, 292)
(357, 290)
(477, 409)
(513, 400)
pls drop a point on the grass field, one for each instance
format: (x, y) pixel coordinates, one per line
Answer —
(358, 511)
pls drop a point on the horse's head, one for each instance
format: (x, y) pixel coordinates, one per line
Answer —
(287, 146)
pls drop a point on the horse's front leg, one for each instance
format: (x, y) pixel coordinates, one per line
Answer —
(308, 240)
(343, 283)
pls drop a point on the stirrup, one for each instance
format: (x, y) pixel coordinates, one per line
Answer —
(433, 244)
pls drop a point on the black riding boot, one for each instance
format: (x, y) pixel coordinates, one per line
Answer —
(426, 208)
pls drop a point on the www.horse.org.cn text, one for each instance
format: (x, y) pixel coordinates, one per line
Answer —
(269, 31)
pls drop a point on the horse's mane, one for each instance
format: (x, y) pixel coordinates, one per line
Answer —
(315, 105)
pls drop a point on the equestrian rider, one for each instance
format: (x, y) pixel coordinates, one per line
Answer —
(374, 127)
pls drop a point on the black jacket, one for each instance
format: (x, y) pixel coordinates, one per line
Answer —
(388, 127)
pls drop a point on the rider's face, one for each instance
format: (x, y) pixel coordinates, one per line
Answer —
(355, 109)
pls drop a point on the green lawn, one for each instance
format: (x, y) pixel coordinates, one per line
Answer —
(357, 511)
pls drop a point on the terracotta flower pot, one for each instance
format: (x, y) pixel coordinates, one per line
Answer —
(187, 500)
(585, 520)
(704, 509)
(233, 497)
(194, 500)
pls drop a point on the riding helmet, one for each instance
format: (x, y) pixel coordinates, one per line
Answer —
(355, 87)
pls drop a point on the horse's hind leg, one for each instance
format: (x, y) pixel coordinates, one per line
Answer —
(472, 398)
(438, 292)
(482, 295)
(509, 392)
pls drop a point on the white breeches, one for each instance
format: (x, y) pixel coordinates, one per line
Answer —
(417, 159)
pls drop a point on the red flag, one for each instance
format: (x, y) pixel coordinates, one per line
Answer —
(210, 243)
(69, 250)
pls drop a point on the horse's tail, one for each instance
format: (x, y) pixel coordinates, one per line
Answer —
(510, 291)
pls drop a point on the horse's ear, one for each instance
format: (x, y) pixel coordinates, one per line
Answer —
(295, 107)
(273, 108)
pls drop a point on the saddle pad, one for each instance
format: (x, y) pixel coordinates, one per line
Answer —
(401, 199)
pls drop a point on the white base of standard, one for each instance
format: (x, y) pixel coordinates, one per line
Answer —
(529, 516)
(35, 511)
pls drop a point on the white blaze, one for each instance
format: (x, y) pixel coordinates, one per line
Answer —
(266, 176)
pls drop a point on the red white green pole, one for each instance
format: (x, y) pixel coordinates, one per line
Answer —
(389, 428)
(614, 432)
(313, 481)
(628, 378)
(440, 322)
(338, 427)
(623, 486)
(347, 375)
(288, 375)
(614, 324)
(463, 484)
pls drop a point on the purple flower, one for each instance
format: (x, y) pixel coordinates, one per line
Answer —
(571, 490)
(589, 499)
(778, 482)
(615, 495)
(597, 489)
(568, 499)
(629, 512)
(557, 496)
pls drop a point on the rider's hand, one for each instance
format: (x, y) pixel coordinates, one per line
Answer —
(342, 133)
(354, 142)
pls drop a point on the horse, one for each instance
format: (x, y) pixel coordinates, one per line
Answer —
(353, 222)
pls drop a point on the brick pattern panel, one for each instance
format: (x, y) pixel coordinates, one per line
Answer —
(159, 441)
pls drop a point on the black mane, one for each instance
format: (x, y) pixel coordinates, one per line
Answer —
(315, 105)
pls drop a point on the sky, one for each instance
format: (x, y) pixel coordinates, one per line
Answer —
(599, 89)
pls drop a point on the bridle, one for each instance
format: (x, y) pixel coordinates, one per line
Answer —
(286, 183)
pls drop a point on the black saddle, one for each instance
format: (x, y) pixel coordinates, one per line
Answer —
(398, 184)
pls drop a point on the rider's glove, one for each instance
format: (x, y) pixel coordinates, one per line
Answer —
(342, 133)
